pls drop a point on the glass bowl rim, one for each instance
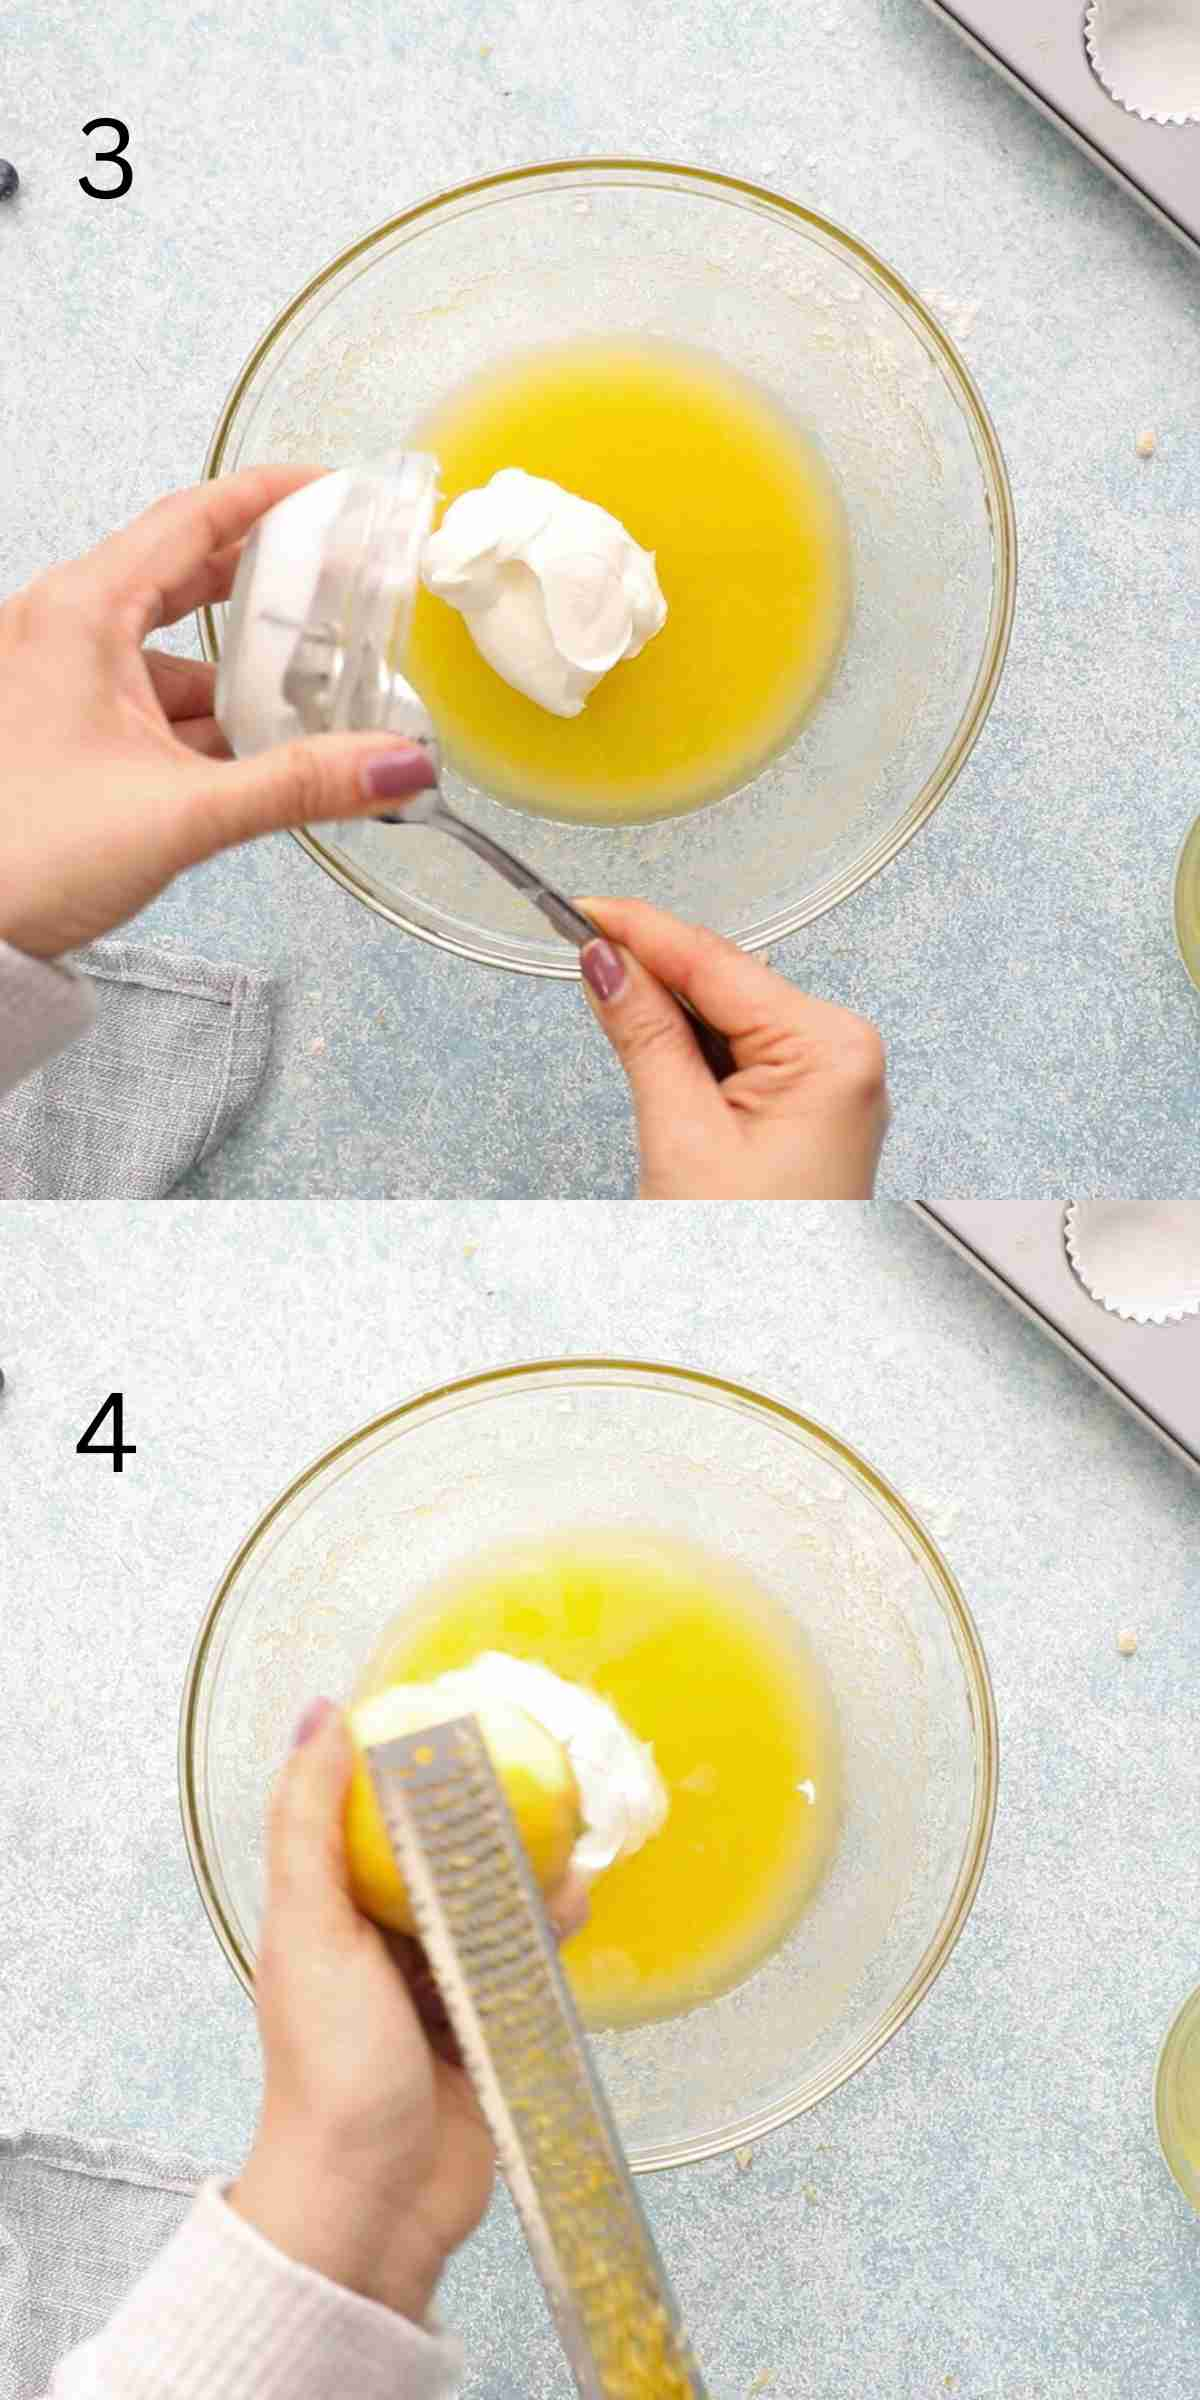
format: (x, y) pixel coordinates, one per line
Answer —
(513, 181)
(972, 1660)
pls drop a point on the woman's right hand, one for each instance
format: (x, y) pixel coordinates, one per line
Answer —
(803, 1117)
(372, 2160)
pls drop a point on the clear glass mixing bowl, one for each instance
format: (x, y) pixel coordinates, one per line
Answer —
(613, 1444)
(610, 246)
(1187, 901)
(1177, 2099)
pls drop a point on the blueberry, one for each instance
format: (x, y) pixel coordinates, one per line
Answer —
(9, 179)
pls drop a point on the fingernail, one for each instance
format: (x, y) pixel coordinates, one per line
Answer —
(311, 1722)
(397, 775)
(604, 968)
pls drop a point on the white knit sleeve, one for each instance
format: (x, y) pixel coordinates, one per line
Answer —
(43, 1006)
(223, 2315)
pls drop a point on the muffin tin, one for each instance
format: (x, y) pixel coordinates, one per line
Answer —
(1019, 1246)
(1041, 50)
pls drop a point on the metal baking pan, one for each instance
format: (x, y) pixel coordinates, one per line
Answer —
(1154, 1370)
(1038, 46)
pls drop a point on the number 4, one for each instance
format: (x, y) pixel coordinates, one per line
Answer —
(118, 1449)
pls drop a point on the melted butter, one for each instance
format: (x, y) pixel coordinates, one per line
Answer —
(703, 468)
(715, 1675)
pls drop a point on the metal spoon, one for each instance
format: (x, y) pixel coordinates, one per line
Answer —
(317, 666)
(429, 808)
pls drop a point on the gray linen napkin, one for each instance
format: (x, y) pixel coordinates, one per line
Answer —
(79, 2222)
(177, 1052)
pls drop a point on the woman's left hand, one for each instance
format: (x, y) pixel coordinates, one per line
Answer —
(805, 1111)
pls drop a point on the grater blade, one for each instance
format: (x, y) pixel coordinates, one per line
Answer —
(484, 1930)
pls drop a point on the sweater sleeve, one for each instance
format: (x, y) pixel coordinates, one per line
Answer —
(43, 1006)
(223, 2315)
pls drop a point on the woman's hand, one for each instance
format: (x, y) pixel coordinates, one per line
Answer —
(372, 2161)
(805, 1114)
(113, 773)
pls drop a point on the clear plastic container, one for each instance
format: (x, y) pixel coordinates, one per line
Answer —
(321, 608)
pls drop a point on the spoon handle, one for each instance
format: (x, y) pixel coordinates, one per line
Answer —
(566, 919)
(574, 925)
(713, 1046)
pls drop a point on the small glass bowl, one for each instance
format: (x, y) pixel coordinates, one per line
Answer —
(536, 1450)
(626, 248)
(1177, 2099)
(1187, 902)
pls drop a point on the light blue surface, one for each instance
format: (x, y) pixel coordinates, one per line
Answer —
(983, 2211)
(1018, 955)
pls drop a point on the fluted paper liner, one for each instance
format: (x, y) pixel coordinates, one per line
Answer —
(1147, 56)
(1140, 1259)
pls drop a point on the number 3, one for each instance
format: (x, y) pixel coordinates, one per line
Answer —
(96, 191)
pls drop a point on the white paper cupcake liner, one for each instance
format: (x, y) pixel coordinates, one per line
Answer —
(1147, 55)
(1140, 1259)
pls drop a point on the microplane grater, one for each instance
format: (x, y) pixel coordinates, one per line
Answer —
(484, 1929)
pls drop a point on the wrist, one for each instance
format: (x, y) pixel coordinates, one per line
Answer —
(346, 2228)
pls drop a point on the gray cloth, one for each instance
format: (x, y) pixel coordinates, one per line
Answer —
(176, 1053)
(79, 2222)
(43, 1006)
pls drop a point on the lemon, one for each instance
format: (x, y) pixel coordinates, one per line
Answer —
(533, 1769)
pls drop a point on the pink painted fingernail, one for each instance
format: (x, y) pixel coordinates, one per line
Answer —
(604, 968)
(311, 1722)
(398, 774)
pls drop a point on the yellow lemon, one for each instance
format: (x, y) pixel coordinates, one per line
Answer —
(533, 1768)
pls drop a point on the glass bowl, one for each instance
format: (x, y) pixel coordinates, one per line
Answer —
(532, 1450)
(1177, 2099)
(610, 246)
(1187, 901)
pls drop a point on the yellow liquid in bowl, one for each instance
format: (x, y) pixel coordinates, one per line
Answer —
(701, 466)
(717, 1677)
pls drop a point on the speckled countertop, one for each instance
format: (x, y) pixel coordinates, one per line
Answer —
(1018, 954)
(983, 2211)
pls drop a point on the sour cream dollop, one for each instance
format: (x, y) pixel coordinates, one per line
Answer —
(553, 589)
(622, 1795)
